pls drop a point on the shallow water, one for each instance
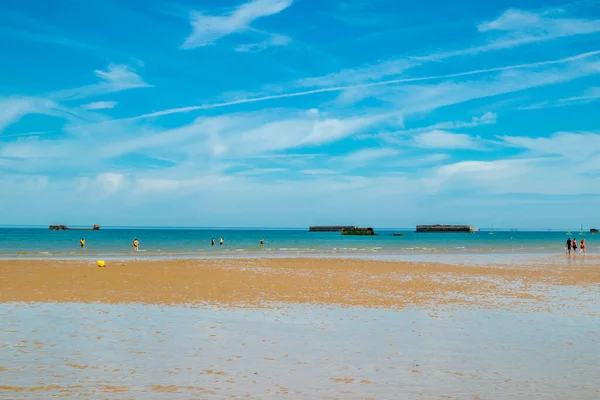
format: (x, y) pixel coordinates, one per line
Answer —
(190, 243)
(299, 352)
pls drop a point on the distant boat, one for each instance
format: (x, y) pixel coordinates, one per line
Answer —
(569, 232)
(581, 231)
(492, 230)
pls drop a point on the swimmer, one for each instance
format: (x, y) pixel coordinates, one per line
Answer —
(136, 244)
(262, 242)
(221, 242)
(82, 243)
(212, 242)
(582, 251)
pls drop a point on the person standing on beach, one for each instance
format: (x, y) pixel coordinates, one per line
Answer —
(136, 245)
(574, 247)
(569, 246)
(212, 242)
(582, 251)
(82, 243)
(221, 242)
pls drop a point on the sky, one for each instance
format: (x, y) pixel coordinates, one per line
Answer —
(290, 113)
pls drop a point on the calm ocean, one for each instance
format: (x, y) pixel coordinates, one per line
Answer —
(183, 243)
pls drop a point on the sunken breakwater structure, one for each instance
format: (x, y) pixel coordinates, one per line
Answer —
(445, 228)
(347, 230)
(331, 228)
(66, 228)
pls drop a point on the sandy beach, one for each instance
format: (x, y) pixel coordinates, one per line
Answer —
(264, 282)
(300, 328)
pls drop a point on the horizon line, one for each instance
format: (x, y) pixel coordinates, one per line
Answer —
(167, 227)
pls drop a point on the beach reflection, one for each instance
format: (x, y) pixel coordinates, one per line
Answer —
(300, 352)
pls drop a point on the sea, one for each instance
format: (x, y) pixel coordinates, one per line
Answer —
(168, 243)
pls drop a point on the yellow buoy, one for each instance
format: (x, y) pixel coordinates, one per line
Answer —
(100, 263)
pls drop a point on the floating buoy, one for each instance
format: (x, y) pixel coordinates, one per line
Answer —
(100, 263)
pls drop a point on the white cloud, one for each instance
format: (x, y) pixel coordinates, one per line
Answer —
(353, 76)
(99, 105)
(587, 68)
(272, 41)
(111, 182)
(566, 163)
(438, 139)
(589, 96)
(313, 112)
(250, 135)
(366, 155)
(208, 29)
(418, 161)
(14, 108)
(579, 146)
(260, 171)
(399, 136)
(540, 176)
(209, 141)
(116, 78)
(541, 25)
(519, 27)
(120, 77)
(318, 171)
(424, 98)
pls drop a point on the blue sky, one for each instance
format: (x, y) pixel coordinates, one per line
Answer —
(300, 112)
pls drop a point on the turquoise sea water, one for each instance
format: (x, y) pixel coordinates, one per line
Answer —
(181, 243)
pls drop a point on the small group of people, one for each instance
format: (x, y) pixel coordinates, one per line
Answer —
(136, 243)
(572, 245)
(221, 242)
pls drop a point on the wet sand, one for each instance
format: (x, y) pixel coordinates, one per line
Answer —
(269, 282)
(299, 352)
(299, 329)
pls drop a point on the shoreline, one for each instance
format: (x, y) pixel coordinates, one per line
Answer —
(265, 282)
(451, 258)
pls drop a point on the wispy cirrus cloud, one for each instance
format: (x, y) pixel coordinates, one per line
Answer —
(273, 40)
(318, 171)
(13, 108)
(369, 73)
(577, 146)
(366, 155)
(208, 29)
(546, 176)
(116, 78)
(544, 25)
(439, 139)
(99, 105)
(593, 68)
(516, 27)
(24, 27)
(400, 136)
(211, 140)
(589, 96)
